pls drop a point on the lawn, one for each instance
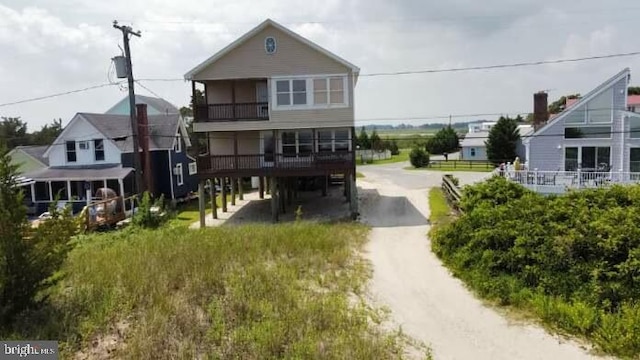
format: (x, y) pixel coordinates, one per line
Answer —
(189, 212)
(440, 211)
(249, 292)
(403, 156)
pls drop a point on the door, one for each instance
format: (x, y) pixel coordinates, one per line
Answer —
(262, 98)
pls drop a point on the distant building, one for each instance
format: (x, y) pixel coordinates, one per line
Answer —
(28, 158)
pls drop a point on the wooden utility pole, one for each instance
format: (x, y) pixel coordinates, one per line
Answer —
(126, 31)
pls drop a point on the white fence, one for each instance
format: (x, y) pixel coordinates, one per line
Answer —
(370, 155)
(557, 182)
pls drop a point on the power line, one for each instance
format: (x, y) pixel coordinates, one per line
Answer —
(58, 94)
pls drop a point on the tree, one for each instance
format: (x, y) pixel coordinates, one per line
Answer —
(47, 134)
(446, 140)
(375, 141)
(14, 132)
(560, 104)
(633, 90)
(363, 139)
(419, 157)
(501, 143)
(187, 114)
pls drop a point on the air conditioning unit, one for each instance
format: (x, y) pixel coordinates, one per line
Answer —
(176, 171)
(83, 145)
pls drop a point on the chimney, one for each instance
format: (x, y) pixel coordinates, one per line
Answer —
(143, 140)
(540, 110)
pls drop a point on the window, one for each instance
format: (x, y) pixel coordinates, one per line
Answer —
(193, 168)
(178, 147)
(576, 116)
(98, 149)
(268, 146)
(289, 144)
(71, 151)
(325, 141)
(305, 142)
(179, 175)
(571, 159)
(631, 108)
(473, 152)
(342, 141)
(634, 160)
(328, 91)
(599, 109)
(320, 91)
(336, 90)
(291, 92)
(593, 132)
(634, 127)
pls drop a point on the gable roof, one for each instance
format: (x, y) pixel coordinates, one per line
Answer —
(34, 151)
(475, 139)
(160, 105)
(241, 40)
(583, 100)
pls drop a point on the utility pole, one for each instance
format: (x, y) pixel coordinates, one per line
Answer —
(126, 31)
(449, 120)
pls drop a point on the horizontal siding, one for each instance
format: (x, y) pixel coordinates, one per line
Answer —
(221, 143)
(481, 153)
(544, 153)
(220, 91)
(249, 60)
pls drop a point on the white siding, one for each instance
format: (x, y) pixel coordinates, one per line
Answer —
(82, 130)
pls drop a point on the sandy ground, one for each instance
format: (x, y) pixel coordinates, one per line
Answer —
(427, 302)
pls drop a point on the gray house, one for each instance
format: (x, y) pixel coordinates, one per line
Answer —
(596, 134)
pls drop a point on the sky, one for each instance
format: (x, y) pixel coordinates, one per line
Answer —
(54, 46)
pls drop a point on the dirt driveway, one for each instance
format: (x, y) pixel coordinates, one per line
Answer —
(425, 300)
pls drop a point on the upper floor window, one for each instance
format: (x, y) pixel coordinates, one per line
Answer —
(592, 132)
(71, 151)
(178, 146)
(98, 149)
(311, 92)
(634, 127)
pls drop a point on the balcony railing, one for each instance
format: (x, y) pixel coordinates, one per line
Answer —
(561, 181)
(266, 163)
(232, 112)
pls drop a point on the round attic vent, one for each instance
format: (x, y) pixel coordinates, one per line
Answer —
(270, 45)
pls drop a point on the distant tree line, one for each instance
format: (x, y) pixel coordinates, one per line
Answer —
(374, 142)
(13, 132)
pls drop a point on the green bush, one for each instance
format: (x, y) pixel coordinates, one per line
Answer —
(150, 214)
(573, 260)
(419, 158)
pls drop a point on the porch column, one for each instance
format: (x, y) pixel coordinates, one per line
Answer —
(69, 190)
(223, 189)
(274, 200)
(121, 185)
(282, 194)
(233, 99)
(346, 186)
(261, 186)
(33, 193)
(201, 203)
(240, 190)
(234, 183)
(104, 183)
(50, 192)
(325, 185)
(290, 191)
(214, 203)
(353, 203)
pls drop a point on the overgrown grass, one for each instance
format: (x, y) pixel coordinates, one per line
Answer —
(569, 261)
(250, 292)
(440, 211)
(189, 212)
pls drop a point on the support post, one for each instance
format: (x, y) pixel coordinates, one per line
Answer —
(201, 203)
(353, 203)
(289, 191)
(223, 188)
(325, 185)
(234, 183)
(347, 184)
(282, 193)
(261, 186)
(240, 189)
(214, 203)
(274, 200)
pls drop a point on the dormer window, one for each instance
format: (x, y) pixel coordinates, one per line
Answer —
(98, 149)
(71, 151)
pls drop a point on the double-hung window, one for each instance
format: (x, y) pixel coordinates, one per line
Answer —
(329, 91)
(71, 151)
(311, 92)
(98, 149)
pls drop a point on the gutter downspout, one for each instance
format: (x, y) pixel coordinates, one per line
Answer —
(173, 196)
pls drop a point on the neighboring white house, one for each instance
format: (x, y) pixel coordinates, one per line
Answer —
(473, 145)
(596, 133)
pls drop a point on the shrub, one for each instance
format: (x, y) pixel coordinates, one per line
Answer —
(419, 158)
(150, 214)
(573, 260)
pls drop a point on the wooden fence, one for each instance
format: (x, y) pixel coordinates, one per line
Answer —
(107, 213)
(462, 164)
(451, 191)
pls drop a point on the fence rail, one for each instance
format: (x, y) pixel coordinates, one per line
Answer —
(211, 164)
(232, 112)
(570, 179)
(451, 191)
(462, 164)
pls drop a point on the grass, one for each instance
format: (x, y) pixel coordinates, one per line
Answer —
(250, 292)
(403, 156)
(188, 213)
(359, 175)
(440, 211)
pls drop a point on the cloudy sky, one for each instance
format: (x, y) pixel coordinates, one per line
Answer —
(53, 46)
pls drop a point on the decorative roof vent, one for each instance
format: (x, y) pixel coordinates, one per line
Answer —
(270, 45)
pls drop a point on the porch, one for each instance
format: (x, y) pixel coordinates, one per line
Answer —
(231, 100)
(558, 182)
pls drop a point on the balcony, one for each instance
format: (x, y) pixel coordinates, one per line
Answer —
(558, 182)
(275, 164)
(253, 111)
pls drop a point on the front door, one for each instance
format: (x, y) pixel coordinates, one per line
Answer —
(262, 98)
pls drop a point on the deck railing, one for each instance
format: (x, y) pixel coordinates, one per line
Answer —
(560, 181)
(232, 112)
(211, 164)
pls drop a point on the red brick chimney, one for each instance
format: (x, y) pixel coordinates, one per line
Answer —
(540, 110)
(143, 140)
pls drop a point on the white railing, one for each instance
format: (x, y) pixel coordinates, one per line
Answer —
(560, 181)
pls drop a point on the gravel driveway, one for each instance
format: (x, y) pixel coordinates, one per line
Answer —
(425, 300)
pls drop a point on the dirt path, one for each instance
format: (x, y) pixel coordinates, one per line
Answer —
(425, 300)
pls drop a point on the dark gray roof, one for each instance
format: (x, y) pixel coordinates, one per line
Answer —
(80, 173)
(160, 105)
(36, 152)
(162, 128)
